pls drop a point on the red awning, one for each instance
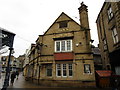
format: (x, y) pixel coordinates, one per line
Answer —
(104, 73)
(64, 56)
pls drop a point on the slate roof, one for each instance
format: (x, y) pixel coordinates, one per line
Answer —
(96, 50)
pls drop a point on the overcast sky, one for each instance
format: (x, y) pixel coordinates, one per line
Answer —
(30, 18)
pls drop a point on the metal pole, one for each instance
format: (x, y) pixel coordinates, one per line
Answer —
(6, 81)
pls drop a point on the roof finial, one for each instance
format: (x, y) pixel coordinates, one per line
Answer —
(82, 3)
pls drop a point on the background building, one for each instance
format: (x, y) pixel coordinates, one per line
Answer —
(108, 25)
(15, 64)
(26, 66)
(21, 59)
(0, 69)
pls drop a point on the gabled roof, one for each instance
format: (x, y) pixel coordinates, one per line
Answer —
(58, 18)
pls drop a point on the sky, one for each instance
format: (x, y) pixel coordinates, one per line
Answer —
(30, 18)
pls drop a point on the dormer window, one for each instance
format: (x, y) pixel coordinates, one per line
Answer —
(63, 24)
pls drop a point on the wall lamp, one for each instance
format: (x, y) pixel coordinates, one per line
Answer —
(91, 41)
(77, 44)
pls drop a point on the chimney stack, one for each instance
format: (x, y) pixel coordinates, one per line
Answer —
(83, 12)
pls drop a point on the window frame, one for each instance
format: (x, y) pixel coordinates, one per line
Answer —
(70, 69)
(85, 71)
(67, 69)
(110, 13)
(105, 44)
(115, 35)
(66, 46)
(49, 67)
(57, 70)
(63, 24)
(64, 69)
(56, 46)
(3, 58)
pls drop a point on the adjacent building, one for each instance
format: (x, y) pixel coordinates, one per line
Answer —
(108, 26)
(26, 65)
(62, 56)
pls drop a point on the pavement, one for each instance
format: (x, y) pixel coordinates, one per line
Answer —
(20, 83)
(2, 79)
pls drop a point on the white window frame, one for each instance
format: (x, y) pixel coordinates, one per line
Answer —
(69, 44)
(64, 67)
(110, 13)
(115, 35)
(58, 69)
(70, 68)
(65, 46)
(85, 68)
(56, 46)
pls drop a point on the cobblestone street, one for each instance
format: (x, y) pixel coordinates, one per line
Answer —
(22, 84)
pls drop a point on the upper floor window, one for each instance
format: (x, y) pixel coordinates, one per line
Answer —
(63, 24)
(3, 58)
(110, 13)
(105, 44)
(63, 45)
(115, 35)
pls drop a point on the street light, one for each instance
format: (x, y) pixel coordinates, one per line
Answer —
(6, 39)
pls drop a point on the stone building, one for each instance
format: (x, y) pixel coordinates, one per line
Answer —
(63, 55)
(14, 64)
(26, 62)
(28, 68)
(108, 25)
(21, 59)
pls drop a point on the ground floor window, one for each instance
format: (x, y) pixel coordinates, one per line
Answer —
(117, 70)
(70, 68)
(49, 70)
(87, 68)
(64, 70)
(58, 69)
